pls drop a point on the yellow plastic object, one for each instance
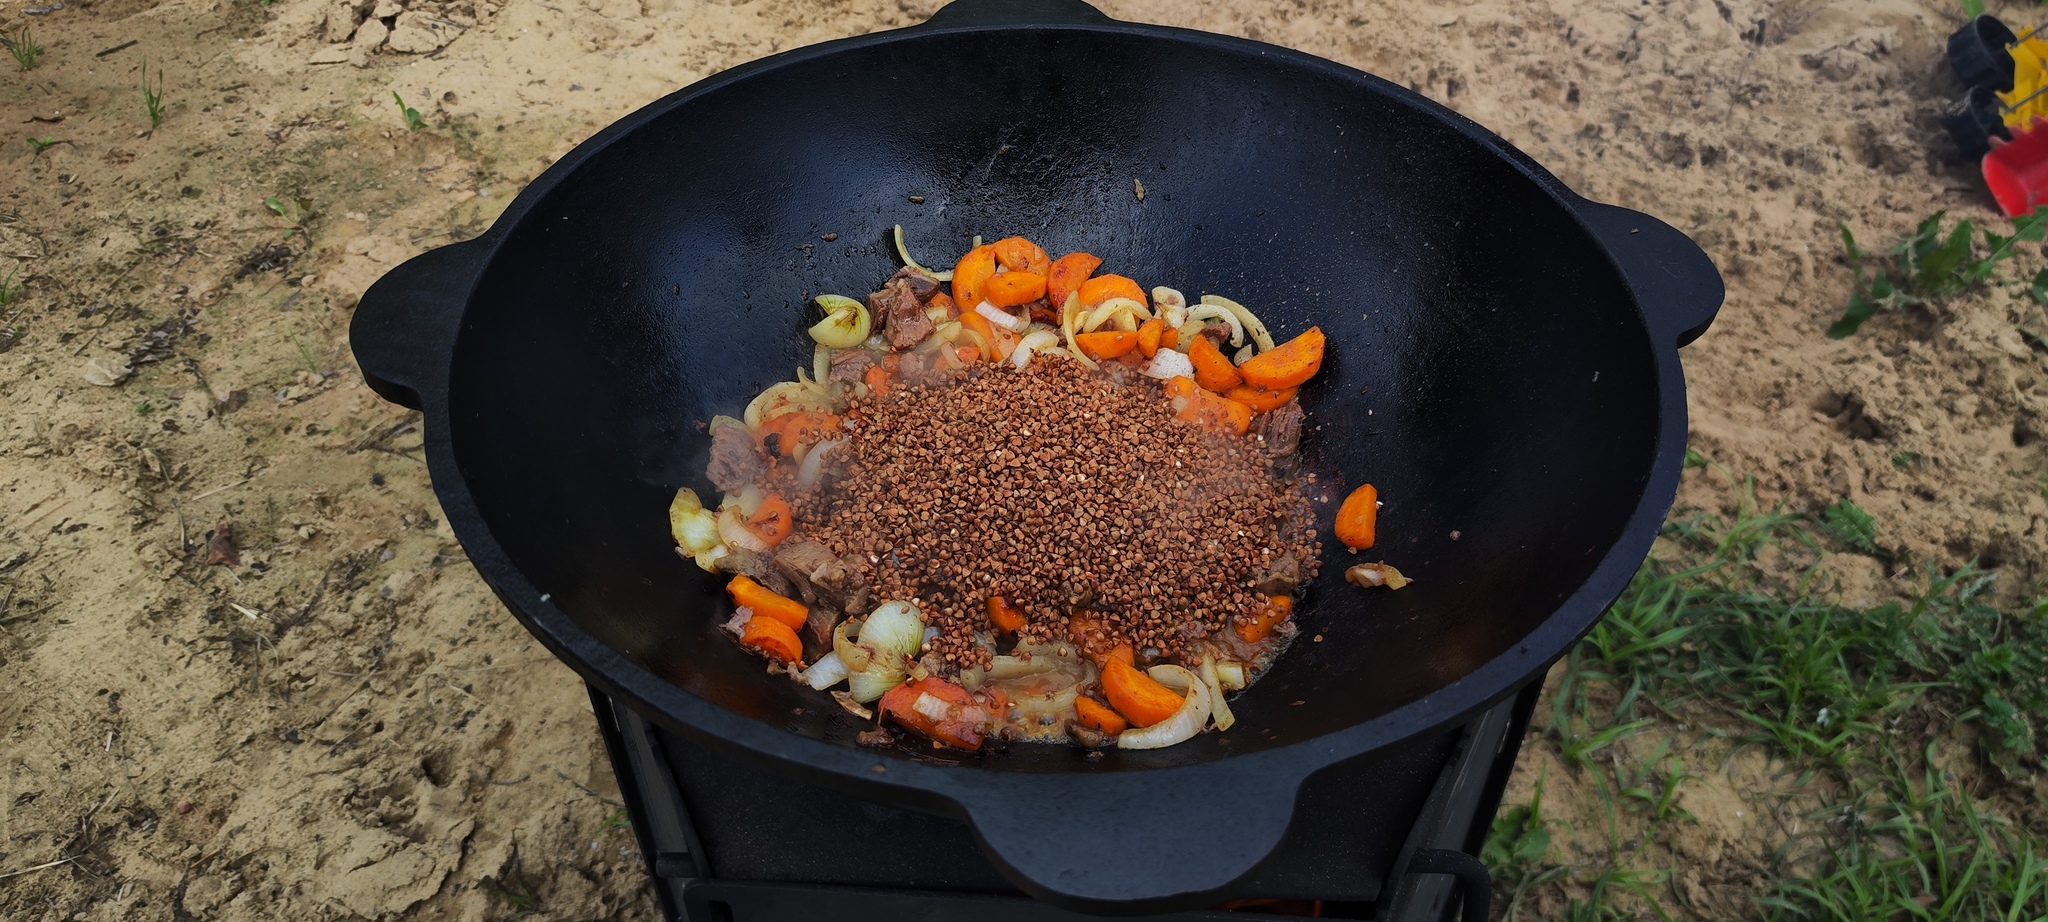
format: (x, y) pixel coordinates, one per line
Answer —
(2029, 77)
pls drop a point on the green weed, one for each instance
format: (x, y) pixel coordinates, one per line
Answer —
(1855, 527)
(1654, 783)
(23, 48)
(1973, 8)
(8, 290)
(294, 210)
(1929, 265)
(413, 121)
(617, 820)
(42, 144)
(153, 97)
(1906, 459)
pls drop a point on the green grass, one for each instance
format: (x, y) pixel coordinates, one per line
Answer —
(153, 97)
(42, 144)
(1912, 728)
(8, 290)
(23, 48)
(413, 121)
(1929, 265)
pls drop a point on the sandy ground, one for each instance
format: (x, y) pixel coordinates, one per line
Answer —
(341, 722)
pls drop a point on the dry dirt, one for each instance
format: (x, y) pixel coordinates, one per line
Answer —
(344, 724)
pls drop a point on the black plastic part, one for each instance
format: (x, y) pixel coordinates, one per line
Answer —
(1973, 120)
(1981, 54)
(768, 844)
(747, 901)
(1475, 886)
(1502, 365)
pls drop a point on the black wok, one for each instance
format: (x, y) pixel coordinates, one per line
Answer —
(1503, 366)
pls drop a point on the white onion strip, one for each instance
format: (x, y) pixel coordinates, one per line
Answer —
(807, 473)
(733, 531)
(1001, 318)
(828, 671)
(1070, 314)
(1168, 364)
(1252, 324)
(1219, 710)
(1184, 724)
(904, 252)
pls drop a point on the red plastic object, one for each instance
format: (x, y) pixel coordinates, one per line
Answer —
(2017, 170)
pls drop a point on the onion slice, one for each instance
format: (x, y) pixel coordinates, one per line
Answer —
(1217, 312)
(904, 252)
(733, 530)
(1168, 364)
(1003, 320)
(1252, 324)
(1219, 710)
(828, 671)
(1070, 314)
(1184, 724)
(846, 323)
(1370, 575)
(807, 473)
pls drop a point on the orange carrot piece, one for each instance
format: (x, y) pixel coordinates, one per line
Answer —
(1007, 617)
(766, 604)
(1020, 255)
(1358, 519)
(961, 728)
(1286, 365)
(773, 638)
(1199, 406)
(1169, 339)
(970, 274)
(1136, 695)
(1010, 289)
(941, 299)
(1261, 400)
(1278, 608)
(1212, 371)
(1067, 274)
(1099, 716)
(968, 354)
(878, 380)
(1149, 334)
(1125, 654)
(1107, 344)
(780, 435)
(979, 324)
(1104, 287)
(772, 521)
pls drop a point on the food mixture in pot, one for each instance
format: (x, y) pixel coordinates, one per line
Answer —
(1021, 501)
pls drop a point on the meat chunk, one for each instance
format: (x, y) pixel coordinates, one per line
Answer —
(760, 568)
(906, 323)
(830, 587)
(921, 285)
(851, 366)
(735, 460)
(1279, 431)
(1281, 576)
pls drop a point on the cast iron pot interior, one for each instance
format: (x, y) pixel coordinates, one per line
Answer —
(1502, 366)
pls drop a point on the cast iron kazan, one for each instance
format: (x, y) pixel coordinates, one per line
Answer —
(1503, 365)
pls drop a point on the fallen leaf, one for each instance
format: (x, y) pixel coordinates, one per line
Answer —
(220, 546)
(96, 373)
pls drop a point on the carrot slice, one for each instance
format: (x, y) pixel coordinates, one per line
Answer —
(766, 604)
(973, 320)
(961, 727)
(1020, 255)
(1135, 695)
(1149, 334)
(1007, 617)
(773, 521)
(1196, 405)
(1277, 609)
(1261, 400)
(1125, 654)
(1010, 289)
(1169, 339)
(1099, 716)
(941, 299)
(780, 435)
(1107, 344)
(1067, 274)
(773, 638)
(968, 354)
(878, 380)
(970, 274)
(1286, 365)
(1358, 519)
(1104, 287)
(1212, 370)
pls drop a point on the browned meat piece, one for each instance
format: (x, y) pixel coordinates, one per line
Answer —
(735, 461)
(1220, 335)
(1280, 577)
(1043, 311)
(1279, 430)
(830, 587)
(921, 368)
(906, 325)
(921, 285)
(851, 366)
(761, 569)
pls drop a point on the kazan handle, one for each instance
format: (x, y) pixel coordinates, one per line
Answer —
(403, 333)
(1674, 281)
(962, 13)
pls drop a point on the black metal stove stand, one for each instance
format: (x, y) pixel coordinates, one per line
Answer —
(1387, 838)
